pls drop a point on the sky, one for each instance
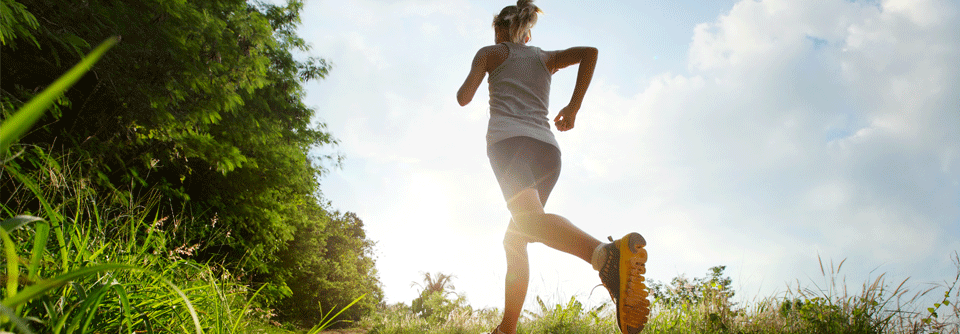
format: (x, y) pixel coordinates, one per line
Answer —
(767, 136)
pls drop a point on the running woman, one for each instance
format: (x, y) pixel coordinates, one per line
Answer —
(525, 158)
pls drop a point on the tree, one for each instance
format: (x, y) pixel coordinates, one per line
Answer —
(440, 283)
(434, 303)
(200, 100)
(682, 290)
(332, 265)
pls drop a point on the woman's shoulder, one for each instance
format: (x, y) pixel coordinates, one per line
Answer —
(494, 54)
(501, 48)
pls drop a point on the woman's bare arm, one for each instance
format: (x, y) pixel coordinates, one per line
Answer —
(487, 59)
(587, 58)
(478, 70)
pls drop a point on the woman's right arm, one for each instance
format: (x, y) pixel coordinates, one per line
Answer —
(587, 58)
(487, 59)
(478, 69)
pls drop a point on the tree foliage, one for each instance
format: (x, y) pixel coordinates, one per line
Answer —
(435, 303)
(682, 290)
(436, 283)
(201, 101)
(345, 266)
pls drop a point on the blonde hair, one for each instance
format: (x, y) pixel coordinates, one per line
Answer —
(518, 20)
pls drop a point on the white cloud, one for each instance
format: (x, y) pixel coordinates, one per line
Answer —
(358, 44)
(826, 124)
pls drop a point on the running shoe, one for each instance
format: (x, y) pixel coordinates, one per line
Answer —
(622, 275)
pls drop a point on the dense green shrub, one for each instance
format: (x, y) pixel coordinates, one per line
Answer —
(199, 103)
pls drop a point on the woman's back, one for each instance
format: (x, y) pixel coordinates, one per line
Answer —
(520, 96)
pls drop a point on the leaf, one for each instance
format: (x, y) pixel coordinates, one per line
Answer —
(19, 123)
(245, 307)
(125, 305)
(15, 222)
(42, 287)
(19, 322)
(13, 266)
(325, 322)
(39, 246)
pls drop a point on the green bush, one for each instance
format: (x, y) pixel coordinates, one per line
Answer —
(200, 103)
(436, 307)
(569, 318)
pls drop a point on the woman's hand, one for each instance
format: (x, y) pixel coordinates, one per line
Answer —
(587, 58)
(565, 119)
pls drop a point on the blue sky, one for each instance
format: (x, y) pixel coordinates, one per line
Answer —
(753, 134)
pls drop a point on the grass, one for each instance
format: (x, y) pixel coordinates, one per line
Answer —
(879, 307)
(92, 267)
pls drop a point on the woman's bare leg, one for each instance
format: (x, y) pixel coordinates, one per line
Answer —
(531, 224)
(517, 280)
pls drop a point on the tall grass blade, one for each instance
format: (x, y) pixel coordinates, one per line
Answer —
(125, 305)
(44, 286)
(16, 222)
(326, 321)
(17, 321)
(193, 312)
(246, 306)
(89, 307)
(146, 321)
(13, 265)
(63, 318)
(19, 123)
(53, 216)
(39, 246)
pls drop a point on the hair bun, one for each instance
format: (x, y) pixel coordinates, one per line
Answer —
(528, 12)
(527, 6)
(517, 19)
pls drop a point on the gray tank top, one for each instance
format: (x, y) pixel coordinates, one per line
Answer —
(520, 97)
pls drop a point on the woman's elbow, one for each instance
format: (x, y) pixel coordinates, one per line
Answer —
(592, 52)
(463, 99)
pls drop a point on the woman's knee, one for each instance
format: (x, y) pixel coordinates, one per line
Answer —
(515, 243)
(526, 201)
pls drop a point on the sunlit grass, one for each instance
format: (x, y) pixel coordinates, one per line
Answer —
(881, 306)
(103, 268)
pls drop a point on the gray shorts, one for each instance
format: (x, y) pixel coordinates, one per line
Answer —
(523, 162)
